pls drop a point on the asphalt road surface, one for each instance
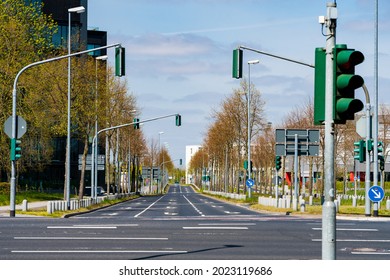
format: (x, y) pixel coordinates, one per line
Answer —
(185, 225)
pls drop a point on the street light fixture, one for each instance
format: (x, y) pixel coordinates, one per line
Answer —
(77, 10)
(249, 118)
(159, 151)
(94, 176)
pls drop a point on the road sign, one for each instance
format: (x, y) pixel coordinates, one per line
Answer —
(21, 127)
(361, 127)
(307, 140)
(250, 183)
(376, 193)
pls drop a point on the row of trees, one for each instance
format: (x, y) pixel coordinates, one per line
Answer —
(225, 146)
(96, 95)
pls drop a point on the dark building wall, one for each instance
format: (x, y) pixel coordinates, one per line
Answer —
(54, 174)
(58, 9)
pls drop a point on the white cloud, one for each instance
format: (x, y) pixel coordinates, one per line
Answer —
(178, 45)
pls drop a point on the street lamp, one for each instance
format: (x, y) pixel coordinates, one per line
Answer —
(94, 167)
(77, 10)
(249, 118)
(159, 151)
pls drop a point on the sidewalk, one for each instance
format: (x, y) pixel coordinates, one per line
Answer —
(4, 210)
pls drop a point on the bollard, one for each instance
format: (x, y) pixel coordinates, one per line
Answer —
(48, 207)
(303, 206)
(24, 205)
(336, 202)
(310, 200)
(388, 204)
(354, 201)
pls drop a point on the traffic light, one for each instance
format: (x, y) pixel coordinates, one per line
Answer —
(319, 86)
(346, 82)
(246, 165)
(360, 151)
(136, 123)
(15, 149)
(278, 162)
(119, 61)
(380, 147)
(237, 63)
(181, 161)
(381, 162)
(178, 120)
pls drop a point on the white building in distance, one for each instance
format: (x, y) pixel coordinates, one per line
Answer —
(190, 152)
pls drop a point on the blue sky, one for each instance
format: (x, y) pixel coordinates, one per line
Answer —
(179, 54)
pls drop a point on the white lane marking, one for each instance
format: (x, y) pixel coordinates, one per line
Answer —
(233, 213)
(223, 228)
(147, 208)
(227, 224)
(357, 240)
(98, 251)
(108, 225)
(351, 229)
(111, 214)
(82, 227)
(370, 253)
(170, 213)
(196, 209)
(87, 238)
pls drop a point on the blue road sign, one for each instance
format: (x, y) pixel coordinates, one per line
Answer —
(250, 183)
(376, 193)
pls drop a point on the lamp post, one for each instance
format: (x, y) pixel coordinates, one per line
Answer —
(77, 10)
(159, 151)
(95, 165)
(249, 119)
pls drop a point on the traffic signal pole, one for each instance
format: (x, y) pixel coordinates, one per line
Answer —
(135, 122)
(367, 208)
(14, 115)
(329, 208)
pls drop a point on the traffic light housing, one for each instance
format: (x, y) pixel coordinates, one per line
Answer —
(136, 123)
(16, 150)
(319, 86)
(346, 82)
(181, 161)
(381, 162)
(381, 158)
(278, 162)
(237, 63)
(360, 151)
(246, 165)
(119, 61)
(178, 120)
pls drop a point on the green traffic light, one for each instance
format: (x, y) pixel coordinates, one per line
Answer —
(119, 61)
(237, 63)
(360, 151)
(16, 150)
(136, 123)
(278, 162)
(345, 84)
(319, 86)
(178, 120)
(347, 59)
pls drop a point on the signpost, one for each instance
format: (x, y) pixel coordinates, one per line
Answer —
(297, 142)
(250, 183)
(376, 193)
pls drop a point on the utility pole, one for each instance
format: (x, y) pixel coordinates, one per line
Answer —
(329, 208)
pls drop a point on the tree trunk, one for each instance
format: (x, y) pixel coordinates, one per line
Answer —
(83, 165)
